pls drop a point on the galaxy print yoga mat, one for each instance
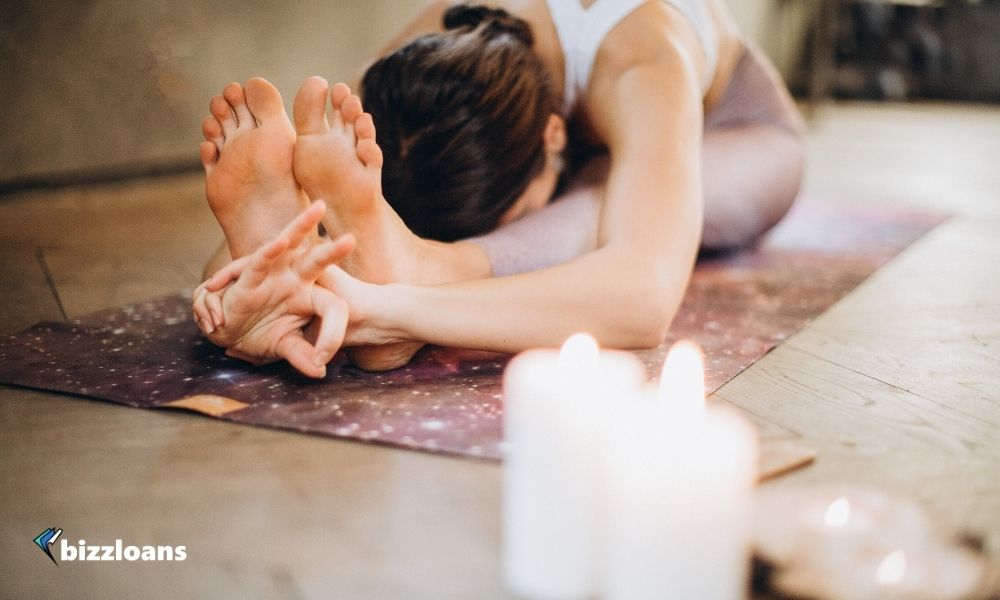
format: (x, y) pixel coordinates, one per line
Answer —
(738, 307)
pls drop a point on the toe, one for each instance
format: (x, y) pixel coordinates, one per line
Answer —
(370, 153)
(264, 100)
(364, 127)
(209, 155)
(233, 93)
(212, 130)
(310, 107)
(224, 114)
(351, 109)
(338, 93)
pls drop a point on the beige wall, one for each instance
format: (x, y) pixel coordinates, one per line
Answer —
(777, 26)
(122, 86)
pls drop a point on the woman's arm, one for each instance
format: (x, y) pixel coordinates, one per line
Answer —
(627, 291)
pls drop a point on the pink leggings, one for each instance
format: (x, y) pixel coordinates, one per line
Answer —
(753, 157)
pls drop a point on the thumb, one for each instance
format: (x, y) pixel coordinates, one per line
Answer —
(300, 354)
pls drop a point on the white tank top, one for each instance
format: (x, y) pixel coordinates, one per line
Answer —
(581, 32)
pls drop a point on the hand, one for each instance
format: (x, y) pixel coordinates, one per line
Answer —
(258, 305)
(372, 341)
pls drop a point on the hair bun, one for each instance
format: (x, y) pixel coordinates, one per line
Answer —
(494, 21)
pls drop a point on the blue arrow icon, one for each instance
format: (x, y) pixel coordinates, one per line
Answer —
(45, 539)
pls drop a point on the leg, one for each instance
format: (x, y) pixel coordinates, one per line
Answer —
(247, 157)
(562, 230)
(753, 155)
(337, 159)
(752, 163)
(752, 177)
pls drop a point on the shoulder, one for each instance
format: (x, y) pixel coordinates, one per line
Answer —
(654, 32)
(651, 62)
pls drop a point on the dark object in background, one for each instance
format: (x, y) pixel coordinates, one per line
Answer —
(884, 51)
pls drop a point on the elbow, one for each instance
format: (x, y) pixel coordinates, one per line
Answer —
(649, 294)
(652, 325)
(646, 322)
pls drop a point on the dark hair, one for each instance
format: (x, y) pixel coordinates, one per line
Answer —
(460, 117)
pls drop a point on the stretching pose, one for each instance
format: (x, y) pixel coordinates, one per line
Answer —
(541, 167)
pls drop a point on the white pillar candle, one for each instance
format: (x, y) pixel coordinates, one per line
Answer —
(556, 406)
(680, 479)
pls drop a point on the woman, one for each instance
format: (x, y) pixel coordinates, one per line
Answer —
(685, 135)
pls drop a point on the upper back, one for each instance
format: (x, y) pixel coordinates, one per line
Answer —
(582, 31)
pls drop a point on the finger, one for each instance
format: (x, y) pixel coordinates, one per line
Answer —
(226, 274)
(262, 261)
(334, 278)
(214, 303)
(204, 326)
(333, 313)
(201, 313)
(324, 255)
(300, 354)
(305, 224)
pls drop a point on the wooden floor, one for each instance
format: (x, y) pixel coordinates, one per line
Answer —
(897, 386)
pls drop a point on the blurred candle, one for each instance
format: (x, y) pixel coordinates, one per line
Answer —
(838, 513)
(556, 406)
(680, 479)
(833, 543)
(892, 569)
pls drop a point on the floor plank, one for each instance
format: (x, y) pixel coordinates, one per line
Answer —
(264, 513)
(27, 295)
(115, 243)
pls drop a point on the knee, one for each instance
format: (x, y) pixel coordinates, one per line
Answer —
(788, 182)
(766, 192)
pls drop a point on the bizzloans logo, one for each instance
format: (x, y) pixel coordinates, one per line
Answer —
(81, 552)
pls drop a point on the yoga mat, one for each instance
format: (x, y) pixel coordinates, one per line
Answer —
(738, 307)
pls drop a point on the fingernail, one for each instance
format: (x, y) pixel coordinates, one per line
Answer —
(322, 358)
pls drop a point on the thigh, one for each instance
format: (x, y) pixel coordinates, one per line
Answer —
(752, 176)
(753, 155)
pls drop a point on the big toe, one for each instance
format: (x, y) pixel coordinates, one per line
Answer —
(310, 107)
(264, 100)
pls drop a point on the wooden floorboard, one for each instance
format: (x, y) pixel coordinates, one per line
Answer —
(110, 244)
(898, 385)
(27, 295)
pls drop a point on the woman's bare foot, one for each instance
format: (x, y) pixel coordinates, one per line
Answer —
(338, 160)
(248, 165)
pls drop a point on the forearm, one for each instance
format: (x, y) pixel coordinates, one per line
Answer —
(623, 300)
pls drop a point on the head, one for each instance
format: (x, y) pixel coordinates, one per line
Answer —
(468, 123)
